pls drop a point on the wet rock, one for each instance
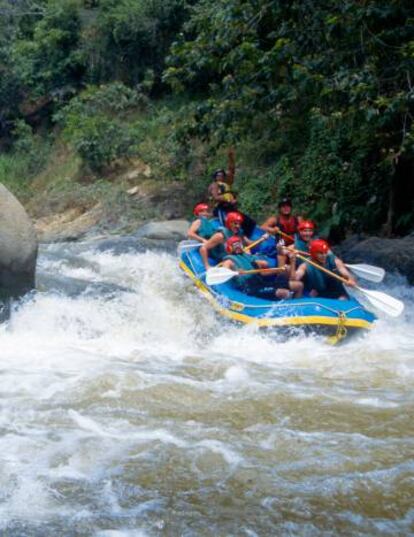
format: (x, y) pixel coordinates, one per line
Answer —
(394, 255)
(70, 225)
(18, 247)
(123, 245)
(166, 230)
(117, 245)
(73, 287)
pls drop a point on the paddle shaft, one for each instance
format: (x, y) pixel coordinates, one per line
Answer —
(266, 270)
(255, 243)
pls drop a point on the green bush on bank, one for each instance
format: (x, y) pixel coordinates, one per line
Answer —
(95, 124)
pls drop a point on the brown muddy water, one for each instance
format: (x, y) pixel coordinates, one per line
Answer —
(140, 414)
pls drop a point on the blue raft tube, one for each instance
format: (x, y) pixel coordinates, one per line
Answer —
(337, 319)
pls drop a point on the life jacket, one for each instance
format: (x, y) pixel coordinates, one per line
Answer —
(300, 244)
(242, 262)
(288, 225)
(208, 227)
(218, 252)
(228, 233)
(224, 189)
(317, 279)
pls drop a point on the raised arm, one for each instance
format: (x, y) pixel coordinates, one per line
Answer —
(231, 165)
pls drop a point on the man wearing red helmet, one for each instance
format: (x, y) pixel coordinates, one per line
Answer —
(285, 221)
(237, 259)
(255, 284)
(305, 234)
(214, 247)
(317, 282)
(203, 227)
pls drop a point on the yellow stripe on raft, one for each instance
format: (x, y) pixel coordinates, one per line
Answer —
(281, 321)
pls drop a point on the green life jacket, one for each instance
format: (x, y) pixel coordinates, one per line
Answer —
(219, 251)
(300, 244)
(317, 279)
(207, 227)
(242, 262)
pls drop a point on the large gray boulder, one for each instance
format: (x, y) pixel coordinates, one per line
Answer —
(165, 230)
(394, 255)
(18, 247)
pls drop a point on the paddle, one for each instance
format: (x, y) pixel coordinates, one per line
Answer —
(218, 275)
(186, 245)
(367, 272)
(256, 242)
(386, 303)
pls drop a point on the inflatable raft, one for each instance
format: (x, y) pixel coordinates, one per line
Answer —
(334, 318)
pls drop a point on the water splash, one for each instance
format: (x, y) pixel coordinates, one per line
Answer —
(142, 412)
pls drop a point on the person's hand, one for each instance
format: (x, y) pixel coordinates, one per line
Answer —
(283, 250)
(351, 282)
(276, 229)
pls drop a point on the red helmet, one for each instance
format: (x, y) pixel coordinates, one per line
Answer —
(306, 224)
(232, 242)
(199, 208)
(232, 218)
(318, 246)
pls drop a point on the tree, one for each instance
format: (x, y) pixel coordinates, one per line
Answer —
(48, 59)
(292, 71)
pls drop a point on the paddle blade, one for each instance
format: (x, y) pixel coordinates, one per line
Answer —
(386, 303)
(368, 272)
(185, 246)
(217, 275)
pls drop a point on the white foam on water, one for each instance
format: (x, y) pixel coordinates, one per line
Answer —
(122, 533)
(231, 458)
(92, 384)
(236, 375)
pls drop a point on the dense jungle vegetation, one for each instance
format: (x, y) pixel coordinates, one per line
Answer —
(317, 97)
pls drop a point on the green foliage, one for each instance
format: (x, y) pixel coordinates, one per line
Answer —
(329, 84)
(28, 157)
(33, 150)
(130, 39)
(94, 124)
(48, 58)
(318, 96)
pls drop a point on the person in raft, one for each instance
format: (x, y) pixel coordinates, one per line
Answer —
(284, 221)
(204, 226)
(214, 247)
(304, 235)
(317, 282)
(302, 239)
(256, 284)
(223, 197)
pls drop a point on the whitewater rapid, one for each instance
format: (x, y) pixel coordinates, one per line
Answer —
(141, 413)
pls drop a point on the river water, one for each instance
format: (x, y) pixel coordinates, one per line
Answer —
(140, 414)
